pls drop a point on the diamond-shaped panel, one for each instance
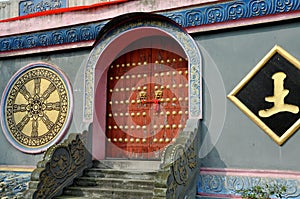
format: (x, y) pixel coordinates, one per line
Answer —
(270, 95)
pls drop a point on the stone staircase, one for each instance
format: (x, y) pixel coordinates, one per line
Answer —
(115, 179)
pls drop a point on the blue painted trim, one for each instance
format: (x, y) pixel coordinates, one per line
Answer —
(13, 183)
(216, 186)
(32, 6)
(190, 17)
(232, 10)
(51, 38)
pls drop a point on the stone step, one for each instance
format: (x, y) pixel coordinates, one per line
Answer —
(115, 179)
(114, 183)
(128, 165)
(124, 174)
(96, 192)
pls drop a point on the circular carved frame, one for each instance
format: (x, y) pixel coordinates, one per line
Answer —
(36, 107)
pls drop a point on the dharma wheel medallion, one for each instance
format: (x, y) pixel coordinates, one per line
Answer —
(36, 107)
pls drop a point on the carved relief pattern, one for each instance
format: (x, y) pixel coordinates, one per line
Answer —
(228, 11)
(62, 163)
(191, 154)
(32, 6)
(195, 87)
(213, 184)
(180, 170)
(183, 166)
(36, 107)
(50, 38)
(209, 14)
(172, 186)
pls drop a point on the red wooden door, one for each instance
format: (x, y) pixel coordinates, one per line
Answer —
(147, 103)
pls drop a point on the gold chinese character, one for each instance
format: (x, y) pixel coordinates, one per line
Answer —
(143, 95)
(278, 98)
(158, 94)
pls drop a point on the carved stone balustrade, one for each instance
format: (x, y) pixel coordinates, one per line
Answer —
(179, 168)
(61, 164)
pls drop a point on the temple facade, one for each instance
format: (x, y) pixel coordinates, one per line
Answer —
(200, 96)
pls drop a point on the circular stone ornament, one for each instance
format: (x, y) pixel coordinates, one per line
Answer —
(36, 107)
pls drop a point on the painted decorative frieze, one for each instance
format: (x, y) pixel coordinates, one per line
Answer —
(43, 39)
(33, 6)
(231, 10)
(225, 183)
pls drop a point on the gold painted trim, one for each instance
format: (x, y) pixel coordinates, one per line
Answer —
(250, 114)
(15, 168)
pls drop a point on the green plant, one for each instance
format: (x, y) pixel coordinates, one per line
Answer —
(263, 191)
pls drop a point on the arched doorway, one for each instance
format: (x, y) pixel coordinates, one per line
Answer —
(147, 100)
(141, 87)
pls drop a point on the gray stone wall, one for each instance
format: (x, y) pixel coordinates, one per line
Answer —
(71, 63)
(230, 139)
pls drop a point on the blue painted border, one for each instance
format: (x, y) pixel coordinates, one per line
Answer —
(32, 6)
(232, 10)
(51, 38)
(13, 183)
(225, 186)
(190, 17)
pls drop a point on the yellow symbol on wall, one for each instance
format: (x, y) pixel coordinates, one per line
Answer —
(278, 98)
(281, 126)
(37, 108)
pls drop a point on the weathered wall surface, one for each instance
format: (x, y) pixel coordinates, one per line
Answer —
(231, 139)
(71, 63)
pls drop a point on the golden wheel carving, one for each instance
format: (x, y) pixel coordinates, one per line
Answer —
(36, 107)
